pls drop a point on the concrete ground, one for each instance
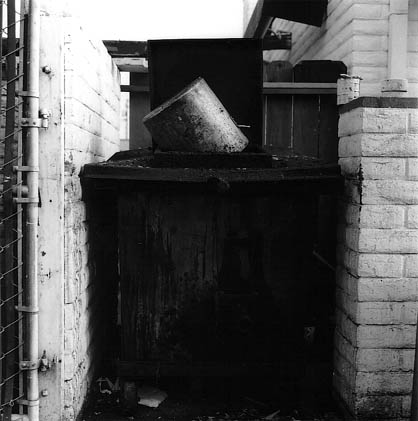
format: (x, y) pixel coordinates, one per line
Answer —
(224, 402)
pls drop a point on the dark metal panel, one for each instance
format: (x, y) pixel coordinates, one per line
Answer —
(318, 71)
(213, 278)
(139, 107)
(328, 128)
(311, 12)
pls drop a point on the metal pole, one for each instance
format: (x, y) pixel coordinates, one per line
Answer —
(32, 162)
(9, 226)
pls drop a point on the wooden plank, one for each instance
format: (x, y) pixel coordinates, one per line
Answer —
(133, 88)
(131, 64)
(258, 23)
(126, 48)
(277, 71)
(278, 42)
(306, 125)
(278, 124)
(299, 88)
(192, 175)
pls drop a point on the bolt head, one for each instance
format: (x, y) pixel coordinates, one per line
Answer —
(47, 70)
(44, 393)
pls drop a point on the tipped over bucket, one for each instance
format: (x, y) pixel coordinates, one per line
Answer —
(194, 120)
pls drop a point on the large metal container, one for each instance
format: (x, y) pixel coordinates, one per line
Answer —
(195, 120)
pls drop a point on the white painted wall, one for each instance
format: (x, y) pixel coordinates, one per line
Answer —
(83, 93)
(413, 47)
(91, 134)
(355, 32)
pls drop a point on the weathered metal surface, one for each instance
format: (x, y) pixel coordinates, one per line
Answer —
(290, 175)
(214, 278)
(212, 160)
(195, 120)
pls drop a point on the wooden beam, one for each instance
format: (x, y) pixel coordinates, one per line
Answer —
(277, 42)
(126, 48)
(258, 176)
(133, 88)
(310, 12)
(259, 23)
(271, 88)
(132, 64)
(297, 88)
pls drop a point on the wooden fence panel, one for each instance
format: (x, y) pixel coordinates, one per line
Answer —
(302, 120)
(278, 124)
(305, 125)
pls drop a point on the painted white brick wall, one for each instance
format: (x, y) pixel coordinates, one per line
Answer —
(82, 91)
(355, 32)
(91, 134)
(413, 46)
(377, 276)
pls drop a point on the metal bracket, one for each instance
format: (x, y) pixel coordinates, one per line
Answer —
(25, 168)
(31, 122)
(31, 94)
(20, 191)
(27, 309)
(29, 365)
(44, 114)
(25, 200)
(25, 402)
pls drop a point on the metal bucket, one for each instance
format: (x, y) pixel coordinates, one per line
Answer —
(194, 120)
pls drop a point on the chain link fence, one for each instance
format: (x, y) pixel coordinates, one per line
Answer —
(12, 76)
